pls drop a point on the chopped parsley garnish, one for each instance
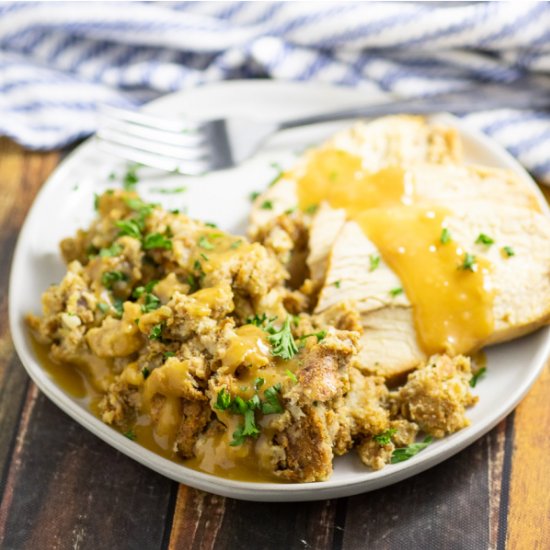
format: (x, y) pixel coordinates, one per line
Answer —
(289, 211)
(476, 376)
(132, 228)
(130, 435)
(168, 191)
(156, 240)
(319, 335)
(291, 375)
(151, 303)
(237, 405)
(138, 291)
(445, 236)
(114, 250)
(205, 243)
(257, 320)
(96, 201)
(336, 284)
(235, 245)
(468, 263)
(143, 209)
(254, 195)
(145, 372)
(311, 209)
(509, 251)
(168, 354)
(374, 260)
(258, 383)
(484, 239)
(396, 291)
(156, 332)
(404, 453)
(118, 306)
(223, 401)
(111, 277)
(211, 224)
(130, 178)
(267, 205)
(384, 438)
(282, 341)
(272, 405)
(204, 257)
(103, 307)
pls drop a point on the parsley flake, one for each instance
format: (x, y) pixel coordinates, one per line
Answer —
(109, 278)
(484, 239)
(169, 191)
(114, 250)
(291, 375)
(145, 372)
(272, 405)
(374, 260)
(404, 453)
(267, 205)
(254, 195)
(130, 178)
(132, 228)
(156, 332)
(156, 240)
(151, 303)
(205, 243)
(468, 263)
(336, 284)
(130, 435)
(384, 438)
(445, 236)
(509, 251)
(396, 291)
(282, 341)
(223, 401)
(480, 373)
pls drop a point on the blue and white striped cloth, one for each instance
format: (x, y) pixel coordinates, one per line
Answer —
(59, 61)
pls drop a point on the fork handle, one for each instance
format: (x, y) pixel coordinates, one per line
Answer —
(458, 102)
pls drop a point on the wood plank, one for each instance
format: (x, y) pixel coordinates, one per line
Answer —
(446, 507)
(67, 489)
(204, 522)
(21, 175)
(529, 504)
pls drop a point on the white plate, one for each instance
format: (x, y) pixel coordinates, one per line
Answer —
(65, 203)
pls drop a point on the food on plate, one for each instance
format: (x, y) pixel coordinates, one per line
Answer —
(373, 269)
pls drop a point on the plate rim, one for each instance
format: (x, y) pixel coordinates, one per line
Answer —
(260, 491)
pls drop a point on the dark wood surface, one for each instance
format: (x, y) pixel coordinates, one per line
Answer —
(62, 488)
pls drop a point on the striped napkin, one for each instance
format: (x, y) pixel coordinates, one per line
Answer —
(59, 61)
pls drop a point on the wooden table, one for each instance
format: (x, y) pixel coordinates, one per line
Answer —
(64, 488)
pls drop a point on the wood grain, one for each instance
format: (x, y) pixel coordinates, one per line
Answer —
(529, 505)
(64, 488)
(21, 175)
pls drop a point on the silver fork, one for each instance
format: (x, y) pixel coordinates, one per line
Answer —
(194, 147)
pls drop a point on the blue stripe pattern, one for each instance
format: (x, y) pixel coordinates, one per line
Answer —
(60, 60)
